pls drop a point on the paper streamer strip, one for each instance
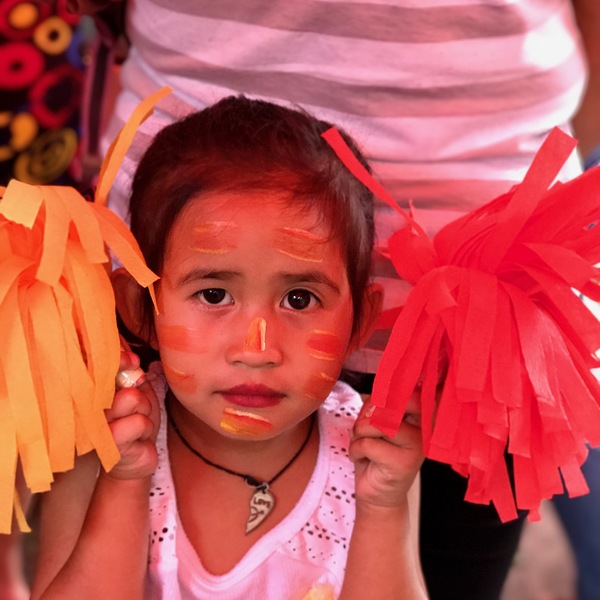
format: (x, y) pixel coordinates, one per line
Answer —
(493, 309)
(59, 348)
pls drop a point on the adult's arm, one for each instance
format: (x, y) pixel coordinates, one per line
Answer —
(587, 121)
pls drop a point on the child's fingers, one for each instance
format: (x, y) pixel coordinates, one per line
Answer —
(134, 419)
(140, 399)
(363, 427)
(130, 377)
(129, 360)
(130, 429)
(403, 451)
(371, 443)
(127, 402)
(134, 436)
(383, 450)
(386, 469)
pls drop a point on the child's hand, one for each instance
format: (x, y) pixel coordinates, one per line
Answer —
(385, 468)
(134, 420)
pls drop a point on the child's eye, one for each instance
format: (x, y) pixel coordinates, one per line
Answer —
(214, 296)
(299, 300)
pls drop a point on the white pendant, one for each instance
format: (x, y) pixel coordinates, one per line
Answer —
(261, 506)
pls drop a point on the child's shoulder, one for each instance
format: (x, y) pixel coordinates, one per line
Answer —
(343, 397)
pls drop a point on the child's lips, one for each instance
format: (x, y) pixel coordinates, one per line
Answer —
(252, 396)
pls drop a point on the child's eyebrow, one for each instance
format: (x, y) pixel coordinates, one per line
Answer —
(310, 277)
(200, 274)
(302, 277)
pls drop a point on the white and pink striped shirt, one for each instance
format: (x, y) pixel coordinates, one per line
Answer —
(449, 99)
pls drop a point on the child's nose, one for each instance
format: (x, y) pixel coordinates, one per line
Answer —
(256, 345)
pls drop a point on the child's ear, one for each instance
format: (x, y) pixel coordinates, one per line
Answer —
(372, 306)
(128, 298)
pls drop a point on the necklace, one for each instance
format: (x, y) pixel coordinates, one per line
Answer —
(262, 501)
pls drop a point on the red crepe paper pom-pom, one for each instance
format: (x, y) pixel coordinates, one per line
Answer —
(493, 300)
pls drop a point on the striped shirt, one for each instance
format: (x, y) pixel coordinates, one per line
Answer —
(449, 99)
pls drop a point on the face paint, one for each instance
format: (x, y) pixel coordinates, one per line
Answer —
(214, 237)
(183, 382)
(300, 244)
(183, 339)
(319, 386)
(256, 336)
(324, 345)
(244, 423)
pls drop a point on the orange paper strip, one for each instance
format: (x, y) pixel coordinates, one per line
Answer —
(120, 145)
(59, 349)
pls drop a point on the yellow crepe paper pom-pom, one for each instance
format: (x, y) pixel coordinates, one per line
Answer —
(59, 347)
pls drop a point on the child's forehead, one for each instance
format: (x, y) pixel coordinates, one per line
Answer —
(267, 208)
(219, 226)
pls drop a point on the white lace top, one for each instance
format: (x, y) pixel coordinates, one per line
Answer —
(302, 557)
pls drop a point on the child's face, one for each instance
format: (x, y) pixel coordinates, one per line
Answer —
(255, 313)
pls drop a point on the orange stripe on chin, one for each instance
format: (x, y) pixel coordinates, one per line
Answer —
(214, 237)
(300, 244)
(183, 339)
(241, 422)
(324, 345)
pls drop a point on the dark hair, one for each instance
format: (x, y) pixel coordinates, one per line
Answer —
(239, 144)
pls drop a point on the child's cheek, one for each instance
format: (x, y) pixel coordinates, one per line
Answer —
(319, 385)
(179, 380)
(179, 345)
(181, 338)
(325, 345)
(326, 352)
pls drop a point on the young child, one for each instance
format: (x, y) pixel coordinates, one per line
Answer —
(238, 448)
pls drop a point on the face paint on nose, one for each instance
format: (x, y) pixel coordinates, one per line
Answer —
(256, 337)
(319, 386)
(180, 338)
(325, 345)
(299, 244)
(179, 380)
(214, 237)
(244, 423)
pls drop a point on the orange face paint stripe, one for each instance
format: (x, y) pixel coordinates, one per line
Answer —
(300, 244)
(184, 382)
(319, 386)
(324, 345)
(214, 237)
(184, 339)
(244, 423)
(256, 336)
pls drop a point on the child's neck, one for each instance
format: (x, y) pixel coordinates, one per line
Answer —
(222, 540)
(261, 459)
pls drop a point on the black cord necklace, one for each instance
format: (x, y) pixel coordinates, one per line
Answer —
(262, 502)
